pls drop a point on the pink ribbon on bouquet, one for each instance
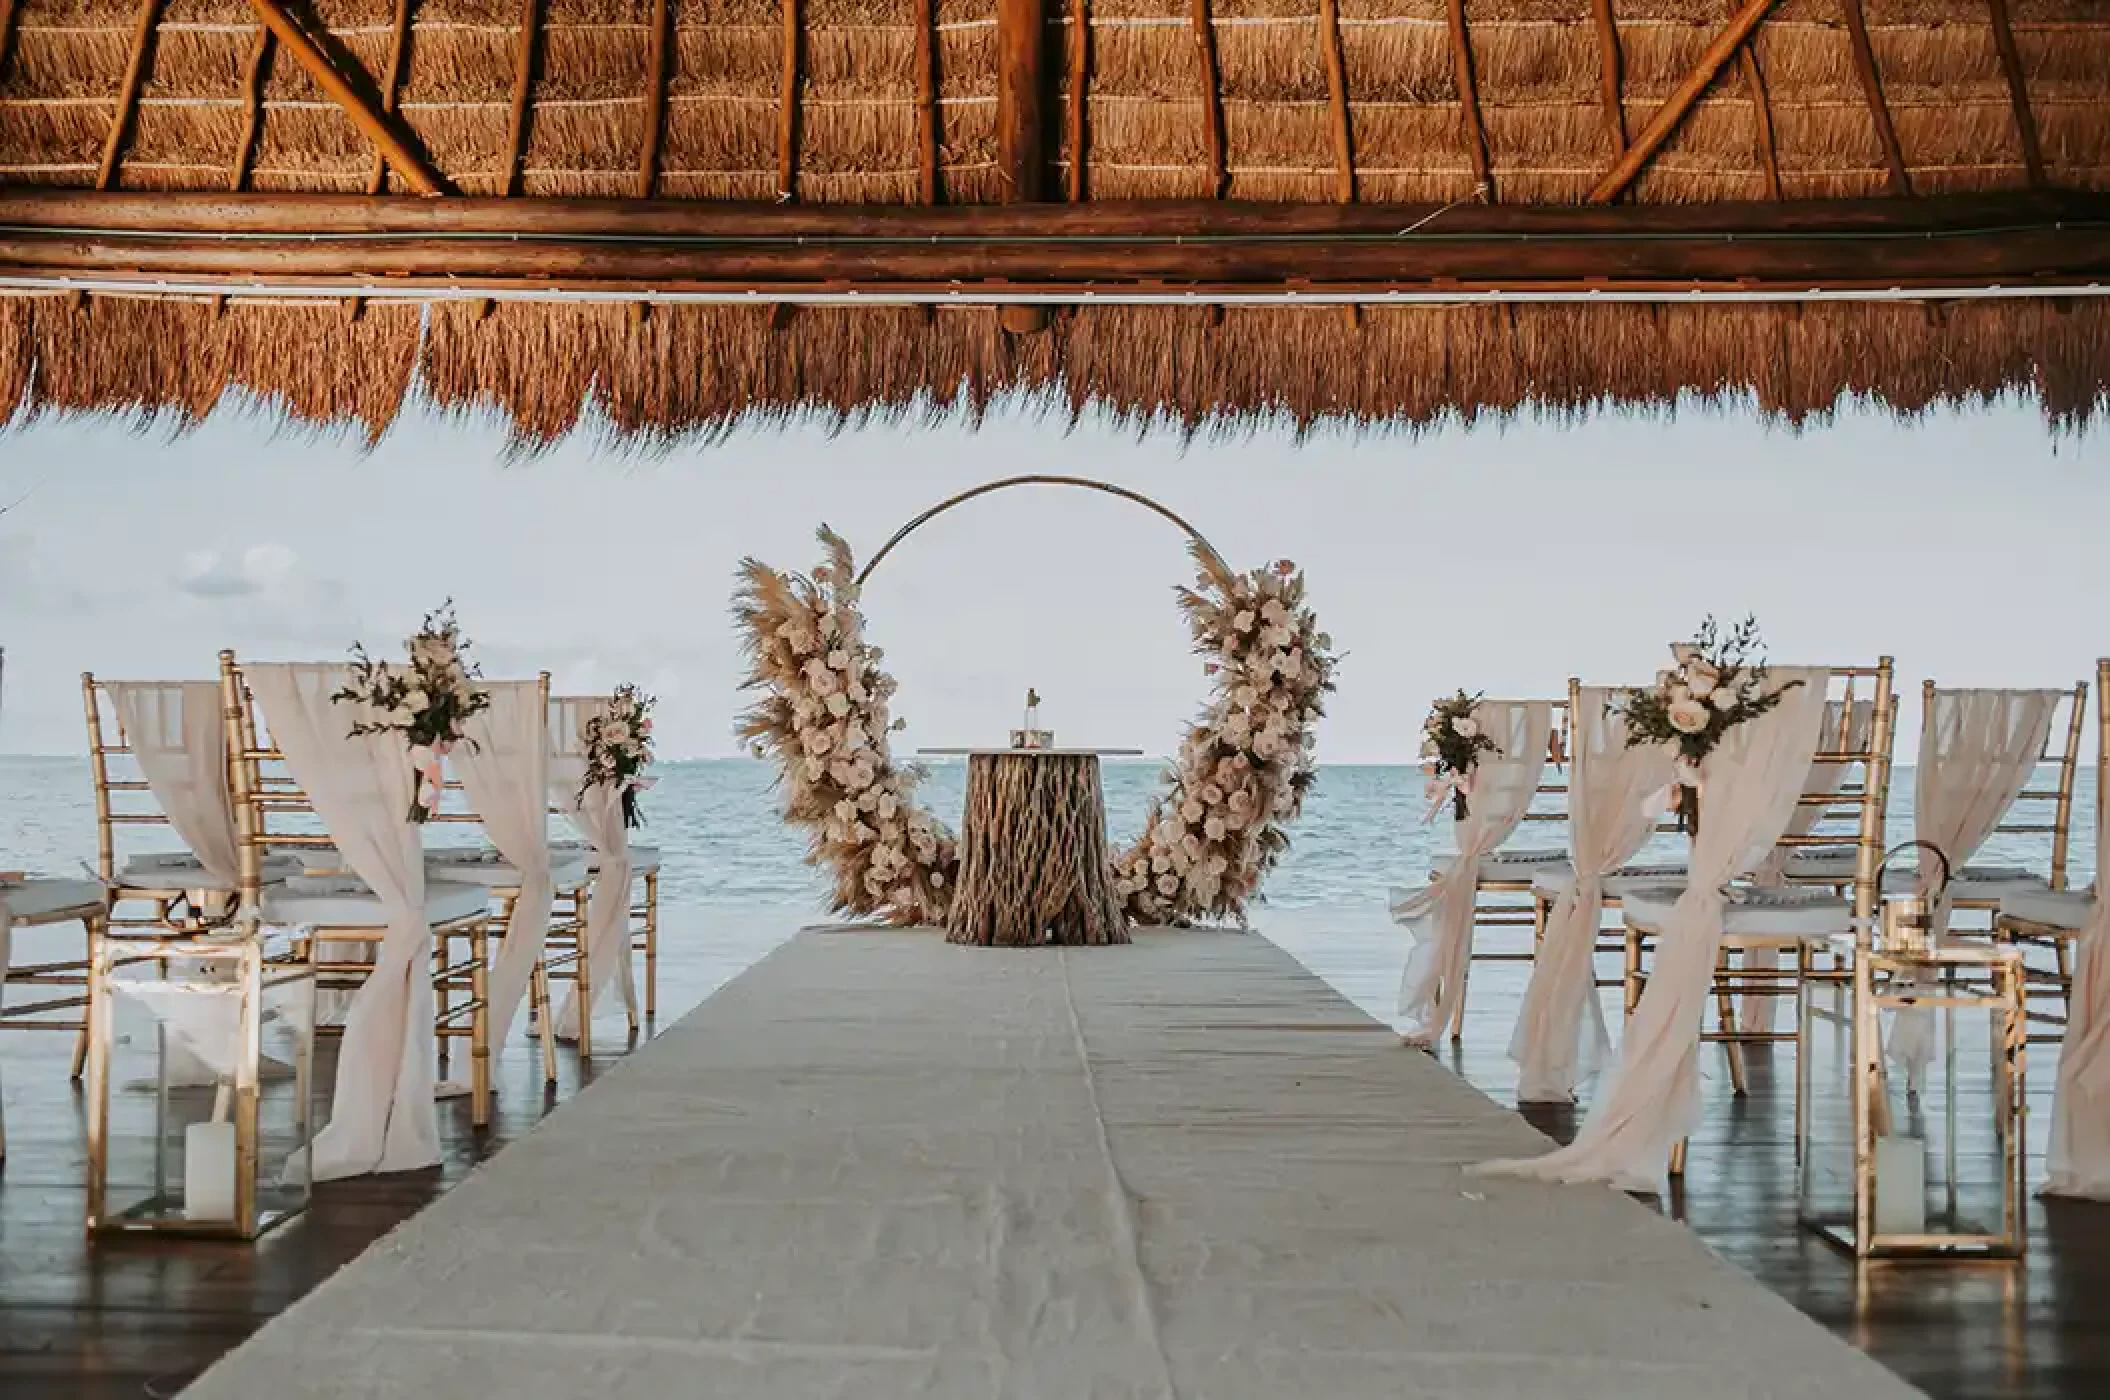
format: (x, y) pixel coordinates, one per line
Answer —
(1441, 790)
(425, 761)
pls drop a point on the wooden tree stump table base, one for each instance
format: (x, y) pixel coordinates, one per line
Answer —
(1034, 866)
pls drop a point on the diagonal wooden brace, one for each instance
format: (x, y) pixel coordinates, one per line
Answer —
(318, 65)
(1671, 115)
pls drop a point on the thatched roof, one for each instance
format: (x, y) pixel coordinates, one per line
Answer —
(1976, 96)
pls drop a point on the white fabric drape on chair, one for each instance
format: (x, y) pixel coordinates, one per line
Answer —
(1748, 788)
(1439, 916)
(1978, 751)
(1615, 797)
(1757, 1010)
(598, 815)
(178, 734)
(504, 768)
(2080, 1107)
(382, 1117)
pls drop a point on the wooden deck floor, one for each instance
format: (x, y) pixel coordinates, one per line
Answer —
(130, 1319)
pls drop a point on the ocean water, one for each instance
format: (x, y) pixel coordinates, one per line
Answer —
(724, 841)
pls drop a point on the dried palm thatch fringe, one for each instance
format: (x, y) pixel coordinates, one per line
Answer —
(1033, 859)
(17, 353)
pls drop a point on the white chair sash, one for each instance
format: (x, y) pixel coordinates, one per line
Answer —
(178, 734)
(1440, 915)
(382, 1116)
(1615, 797)
(504, 768)
(2080, 1107)
(1748, 786)
(597, 814)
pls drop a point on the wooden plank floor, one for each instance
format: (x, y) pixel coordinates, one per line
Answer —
(130, 1319)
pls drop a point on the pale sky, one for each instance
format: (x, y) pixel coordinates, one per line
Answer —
(1969, 546)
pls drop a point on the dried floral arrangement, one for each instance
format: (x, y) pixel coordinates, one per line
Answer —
(1241, 777)
(1451, 745)
(1719, 682)
(429, 701)
(618, 744)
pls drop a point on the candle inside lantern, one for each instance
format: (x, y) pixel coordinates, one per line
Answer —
(209, 1171)
(1901, 1186)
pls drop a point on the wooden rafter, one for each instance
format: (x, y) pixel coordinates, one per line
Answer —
(1762, 115)
(253, 79)
(391, 87)
(8, 11)
(2017, 93)
(1021, 96)
(1337, 101)
(1080, 93)
(373, 125)
(526, 51)
(128, 95)
(1612, 83)
(927, 100)
(1872, 90)
(1469, 101)
(655, 98)
(1668, 117)
(788, 108)
(1212, 98)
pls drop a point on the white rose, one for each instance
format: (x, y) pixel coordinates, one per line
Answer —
(1244, 621)
(1725, 699)
(1466, 727)
(1687, 716)
(1685, 653)
(1168, 884)
(838, 705)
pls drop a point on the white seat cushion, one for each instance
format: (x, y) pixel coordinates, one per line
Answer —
(1510, 865)
(1835, 865)
(1752, 915)
(337, 901)
(180, 870)
(644, 860)
(38, 898)
(2066, 909)
(1557, 882)
(472, 865)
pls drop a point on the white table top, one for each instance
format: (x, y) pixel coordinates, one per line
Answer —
(1031, 753)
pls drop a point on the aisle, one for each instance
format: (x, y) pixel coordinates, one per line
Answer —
(876, 1165)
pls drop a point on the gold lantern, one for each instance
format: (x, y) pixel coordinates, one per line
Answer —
(1889, 1167)
(200, 1080)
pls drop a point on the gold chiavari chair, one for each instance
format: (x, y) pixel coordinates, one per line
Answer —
(333, 912)
(1797, 922)
(1503, 895)
(2048, 920)
(644, 875)
(31, 903)
(483, 866)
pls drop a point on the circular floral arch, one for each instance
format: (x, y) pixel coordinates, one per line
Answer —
(1217, 825)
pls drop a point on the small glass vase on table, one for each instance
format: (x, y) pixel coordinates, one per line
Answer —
(1889, 1169)
(200, 1081)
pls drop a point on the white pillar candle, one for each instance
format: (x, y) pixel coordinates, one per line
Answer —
(209, 1171)
(1901, 1186)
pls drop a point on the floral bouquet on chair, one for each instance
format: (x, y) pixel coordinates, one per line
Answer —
(1451, 745)
(1718, 684)
(428, 702)
(619, 749)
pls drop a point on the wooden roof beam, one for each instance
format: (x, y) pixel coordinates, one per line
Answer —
(1021, 87)
(1469, 103)
(2010, 65)
(9, 9)
(253, 102)
(1080, 94)
(1337, 100)
(526, 53)
(1612, 82)
(1762, 113)
(926, 99)
(1212, 98)
(655, 97)
(128, 95)
(1671, 115)
(372, 124)
(1872, 90)
(391, 87)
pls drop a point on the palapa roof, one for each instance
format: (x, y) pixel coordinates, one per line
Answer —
(823, 103)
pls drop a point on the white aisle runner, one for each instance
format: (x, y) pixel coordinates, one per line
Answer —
(880, 1166)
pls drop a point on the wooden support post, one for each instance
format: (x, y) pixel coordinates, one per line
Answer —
(1021, 82)
(1664, 124)
(1469, 101)
(2010, 65)
(1612, 81)
(391, 88)
(1337, 101)
(377, 129)
(1080, 93)
(1872, 89)
(1762, 110)
(128, 95)
(927, 99)
(655, 99)
(8, 10)
(253, 99)
(1212, 99)
(788, 109)
(525, 54)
